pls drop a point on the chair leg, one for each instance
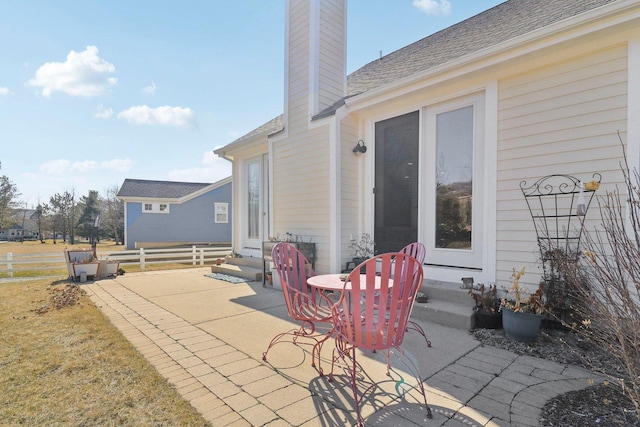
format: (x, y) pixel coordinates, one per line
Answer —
(315, 352)
(354, 387)
(413, 368)
(416, 327)
(306, 331)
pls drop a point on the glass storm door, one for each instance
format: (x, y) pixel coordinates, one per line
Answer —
(396, 182)
(453, 178)
(255, 202)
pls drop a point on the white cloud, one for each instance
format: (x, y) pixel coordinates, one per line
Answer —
(4, 91)
(119, 165)
(216, 169)
(103, 113)
(82, 74)
(434, 7)
(84, 166)
(166, 116)
(150, 89)
(208, 158)
(63, 166)
(56, 167)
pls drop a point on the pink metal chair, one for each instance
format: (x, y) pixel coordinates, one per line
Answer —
(418, 251)
(304, 304)
(372, 313)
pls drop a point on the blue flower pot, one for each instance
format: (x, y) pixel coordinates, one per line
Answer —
(523, 327)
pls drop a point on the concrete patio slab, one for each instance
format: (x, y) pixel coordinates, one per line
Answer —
(207, 337)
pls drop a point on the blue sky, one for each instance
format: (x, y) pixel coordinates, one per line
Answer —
(96, 91)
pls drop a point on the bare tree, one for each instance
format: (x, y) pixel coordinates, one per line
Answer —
(42, 212)
(8, 201)
(607, 281)
(113, 211)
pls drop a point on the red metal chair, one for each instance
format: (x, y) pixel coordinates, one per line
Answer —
(304, 304)
(372, 313)
(418, 251)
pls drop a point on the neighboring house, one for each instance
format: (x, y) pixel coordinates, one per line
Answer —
(164, 213)
(523, 90)
(24, 225)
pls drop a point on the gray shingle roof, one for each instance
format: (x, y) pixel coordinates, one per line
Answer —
(503, 22)
(491, 27)
(273, 126)
(158, 189)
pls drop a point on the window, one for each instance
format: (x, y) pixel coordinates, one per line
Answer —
(253, 199)
(222, 213)
(156, 208)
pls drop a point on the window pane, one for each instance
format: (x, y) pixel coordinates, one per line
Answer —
(221, 210)
(454, 176)
(253, 208)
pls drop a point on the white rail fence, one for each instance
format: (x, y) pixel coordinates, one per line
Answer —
(17, 263)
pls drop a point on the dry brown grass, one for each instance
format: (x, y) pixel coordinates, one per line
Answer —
(71, 366)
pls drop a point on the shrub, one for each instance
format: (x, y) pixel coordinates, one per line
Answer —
(606, 281)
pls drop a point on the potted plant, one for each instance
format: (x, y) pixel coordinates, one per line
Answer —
(363, 249)
(486, 312)
(522, 314)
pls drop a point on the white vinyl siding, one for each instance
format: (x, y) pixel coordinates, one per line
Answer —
(331, 64)
(560, 119)
(351, 185)
(298, 64)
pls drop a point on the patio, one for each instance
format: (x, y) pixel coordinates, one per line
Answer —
(207, 336)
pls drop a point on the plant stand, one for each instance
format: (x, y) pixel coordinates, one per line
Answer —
(558, 205)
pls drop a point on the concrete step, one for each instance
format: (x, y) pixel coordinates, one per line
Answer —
(448, 305)
(447, 291)
(245, 271)
(444, 313)
(245, 261)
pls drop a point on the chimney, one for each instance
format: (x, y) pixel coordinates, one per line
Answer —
(315, 55)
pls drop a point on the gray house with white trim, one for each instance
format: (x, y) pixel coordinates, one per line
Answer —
(166, 213)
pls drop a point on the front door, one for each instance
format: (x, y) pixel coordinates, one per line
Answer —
(396, 182)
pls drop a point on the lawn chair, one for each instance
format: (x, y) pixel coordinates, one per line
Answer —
(372, 313)
(418, 251)
(304, 303)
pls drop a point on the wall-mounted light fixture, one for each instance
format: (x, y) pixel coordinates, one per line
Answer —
(360, 148)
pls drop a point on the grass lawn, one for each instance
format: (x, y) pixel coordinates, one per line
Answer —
(71, 366)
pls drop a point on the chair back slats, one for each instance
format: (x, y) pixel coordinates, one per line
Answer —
(377, 301)
(416, 250)
(303, 302)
